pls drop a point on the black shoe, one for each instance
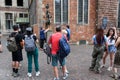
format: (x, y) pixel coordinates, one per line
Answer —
(16, 74)
(116, 77)
(97, 71)
(112, 76)
(119, 77)
(12, 73)
(91, 69)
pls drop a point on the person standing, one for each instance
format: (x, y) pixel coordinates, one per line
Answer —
(54, 41)
(30, 44)
(68, 32)
(116, 64)
(111, 48)
(17, 55)
(42, 38)
(99, 41)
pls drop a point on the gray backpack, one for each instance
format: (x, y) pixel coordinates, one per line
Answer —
(11, 43)
(29, 43)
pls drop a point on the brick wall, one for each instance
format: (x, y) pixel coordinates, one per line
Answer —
(109, 9)
(78, 32)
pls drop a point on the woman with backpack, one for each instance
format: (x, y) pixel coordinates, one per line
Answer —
(99, 41)
(32, 51)
(111, 48)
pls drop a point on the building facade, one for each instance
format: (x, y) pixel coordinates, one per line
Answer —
(83, 16)
(35, 12)
(13, 12)
(80, 15)
(109, 9)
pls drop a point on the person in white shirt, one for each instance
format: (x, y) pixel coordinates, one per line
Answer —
(111, 48)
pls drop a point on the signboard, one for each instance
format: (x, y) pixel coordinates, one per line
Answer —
(22, 20)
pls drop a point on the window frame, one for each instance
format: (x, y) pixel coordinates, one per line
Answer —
(62, 22)
(8, 5)
(23, 15)
(20, 6)
(10, 18)
(83, 22)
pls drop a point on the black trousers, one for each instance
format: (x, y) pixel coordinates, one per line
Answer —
(42, 43)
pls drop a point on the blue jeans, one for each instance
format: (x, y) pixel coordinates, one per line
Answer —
(30, 56)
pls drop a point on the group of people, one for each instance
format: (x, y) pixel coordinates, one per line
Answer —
(17, 55)
(53, 42)
(105, 45)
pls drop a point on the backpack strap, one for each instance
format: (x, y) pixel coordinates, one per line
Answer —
(33, 39)
(102, 40)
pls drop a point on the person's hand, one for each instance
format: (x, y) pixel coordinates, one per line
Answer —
(114, 28)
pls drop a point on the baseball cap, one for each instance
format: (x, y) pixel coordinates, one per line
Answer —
(29, 29)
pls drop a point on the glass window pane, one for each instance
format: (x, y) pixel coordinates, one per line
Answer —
(8, 2)
(9, 21)
(57, 10)
(25, 15)
(8, 16)
(80, 11)
(19, 2)
(21, 15)
(65, 11)
(86, 11)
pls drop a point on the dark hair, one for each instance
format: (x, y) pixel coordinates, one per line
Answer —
(15, 27)
(100, 35)
(28, 33)
(68, 26)
(108, 33)
(41, 28)
(58, 28)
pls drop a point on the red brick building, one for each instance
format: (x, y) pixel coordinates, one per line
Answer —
(80, 15)
(83, 16)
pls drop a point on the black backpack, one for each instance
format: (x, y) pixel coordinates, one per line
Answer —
(47, 51)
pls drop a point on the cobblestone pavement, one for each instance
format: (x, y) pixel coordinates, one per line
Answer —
(78, 63)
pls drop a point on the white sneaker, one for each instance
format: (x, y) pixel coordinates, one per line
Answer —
(102, 66)
(109, 68)
(56, 79)
(38, 73)
(65, 76)
(67, 71)
(29, 74)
